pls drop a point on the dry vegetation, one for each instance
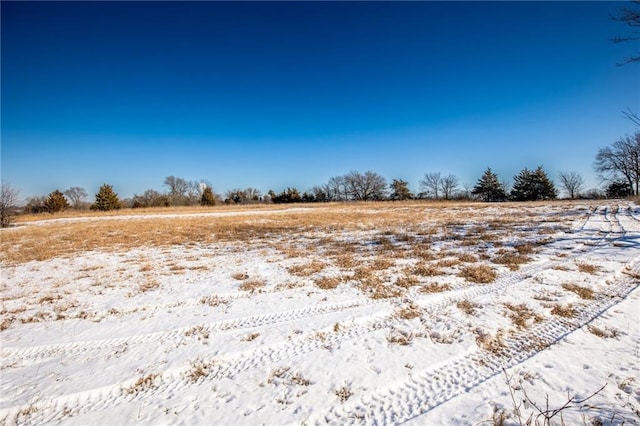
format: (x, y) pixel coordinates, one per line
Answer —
(383, 249)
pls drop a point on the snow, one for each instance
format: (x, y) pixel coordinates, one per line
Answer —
(83, 344)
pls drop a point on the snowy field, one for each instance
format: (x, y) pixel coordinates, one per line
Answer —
(374, 314)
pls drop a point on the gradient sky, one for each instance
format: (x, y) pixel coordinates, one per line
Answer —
(270, 95)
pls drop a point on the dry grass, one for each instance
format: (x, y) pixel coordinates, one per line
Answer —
(252, 285)
(146, 229)
(426, 270)
(143, 383)
(400, 337)
(605, 333)
(583, 292)
(492, 343)
(481, 274)
(407, 281)
(512, 260)
(435, 288)
(587, 268)
(521, 315)
(467, 307)
(199, 369)
(213, 301)
(240, 276)
(327, 283)
(567, 311)
(408, 312)
(250, 337)
(343, 393)
(306, 269)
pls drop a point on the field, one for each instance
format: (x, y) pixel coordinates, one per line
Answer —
(342, 313)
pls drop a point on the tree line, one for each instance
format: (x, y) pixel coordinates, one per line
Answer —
(618, 165)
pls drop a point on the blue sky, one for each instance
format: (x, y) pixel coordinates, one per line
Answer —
(271, 95)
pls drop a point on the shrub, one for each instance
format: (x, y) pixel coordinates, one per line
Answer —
(482, 274)
(208, 199)
(56, 202)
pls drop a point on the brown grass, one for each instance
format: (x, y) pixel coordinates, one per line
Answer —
(567, 311)
(511, 259)
(327, 283)
(426, 270)
(306, 269)
(435, 288)
(407, 281)
(252, 285)
(143, 383)
(587, 268)
(199, 369)
(583, 292)
(408, 312)
(521, 315)
(467, 307)
(492, 343)
(605, 333)
(110, 232)
(481, 274)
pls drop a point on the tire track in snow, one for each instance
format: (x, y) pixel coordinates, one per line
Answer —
(173, 380)
(426, 390)
(10, 354)
(433, 302)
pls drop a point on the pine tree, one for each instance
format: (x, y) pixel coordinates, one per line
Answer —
(489, 187)
(544, 189)
(208, 199)
(106, 199)
(522, 186)
(533, 185)
(56, 202)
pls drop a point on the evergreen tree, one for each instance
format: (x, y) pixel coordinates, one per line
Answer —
(619, 189)
(208, 199)
(106, 199)
(532, 186)
(522, 186)
(400, 190)
(489, 187)
(56, 202)
(544, 186)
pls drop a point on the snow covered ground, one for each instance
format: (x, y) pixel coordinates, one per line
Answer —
(336, 325)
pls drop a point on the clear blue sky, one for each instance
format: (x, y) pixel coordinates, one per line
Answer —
(271, 95)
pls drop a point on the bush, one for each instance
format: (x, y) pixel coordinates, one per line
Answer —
(56, 202)
(208, 199)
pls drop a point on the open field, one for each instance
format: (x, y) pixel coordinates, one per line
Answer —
(366, 313)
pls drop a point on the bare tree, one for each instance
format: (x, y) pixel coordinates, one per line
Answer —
(76, 195)
(366, 186)
(336, 189)
(448, 185)
(178, 189)
(632, 116)
(8, 204)
(253, 195)
(621, 161)
(430, 184)
(572, 183)
(630, 16)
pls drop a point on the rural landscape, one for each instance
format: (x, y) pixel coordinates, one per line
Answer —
(373, 313)
(320, 213)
